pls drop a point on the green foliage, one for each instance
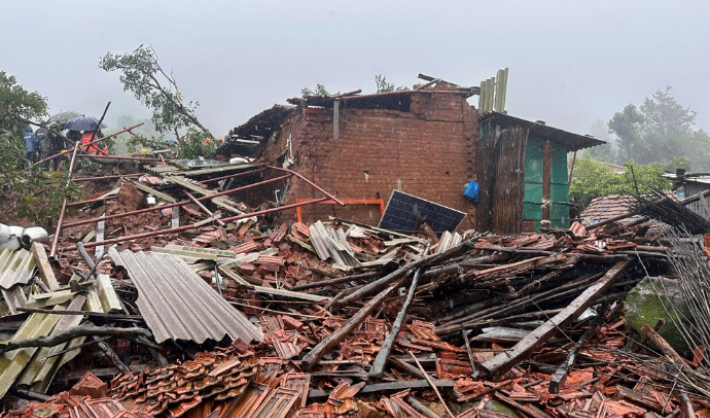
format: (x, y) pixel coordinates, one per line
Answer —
(659, 130)
(665, 117)
(33, 195)
(382, 84)
(194, 145)
(14, 98)
(678, 162)
(319, 91)
(153, 87)
(137, 143)
(592, 178)
(42, 196)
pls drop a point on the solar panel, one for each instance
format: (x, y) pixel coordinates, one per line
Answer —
(404, 213)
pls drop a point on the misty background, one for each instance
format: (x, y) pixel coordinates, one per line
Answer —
(571, 63)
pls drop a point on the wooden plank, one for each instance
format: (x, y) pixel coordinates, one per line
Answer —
(529, 263)
(506, 361)
(45, 269)
(160, 195)
(289, 294)
(387, 387)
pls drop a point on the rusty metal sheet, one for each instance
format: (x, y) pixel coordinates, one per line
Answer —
(177, 304)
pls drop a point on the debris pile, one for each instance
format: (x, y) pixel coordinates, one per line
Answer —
(141, 309)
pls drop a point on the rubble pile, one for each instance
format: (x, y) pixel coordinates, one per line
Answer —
(175, 299)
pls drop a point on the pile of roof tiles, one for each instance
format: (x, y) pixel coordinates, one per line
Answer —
(281, 319)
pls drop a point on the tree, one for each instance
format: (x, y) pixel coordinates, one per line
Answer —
(627, 127)
(606, 152)
(667, 128)
(153, 87)
(665, 117)
(660, 130)
(592, 178)
(678, 162)
(697, 149)
(18, 101)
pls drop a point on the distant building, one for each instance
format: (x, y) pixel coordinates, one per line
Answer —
(687, 185)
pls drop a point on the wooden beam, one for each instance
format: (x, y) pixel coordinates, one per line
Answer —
(45, 269)
(377, 285)
(546, 180)
(560, 376)
(666, 349)
(378, 366)
(404, 366)
(506, 361)
(313, 356)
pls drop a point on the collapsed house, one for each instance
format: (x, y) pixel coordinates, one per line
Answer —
(264, 318)
(428, 142)
(189, 289)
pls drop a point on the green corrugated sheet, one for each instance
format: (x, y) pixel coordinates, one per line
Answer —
(533, 165)
(31, 366)
(14, 362)
(559, 214)
(559, 164)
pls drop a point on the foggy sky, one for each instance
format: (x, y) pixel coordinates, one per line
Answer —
(570, 61)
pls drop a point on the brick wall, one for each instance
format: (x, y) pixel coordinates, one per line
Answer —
(428, 152)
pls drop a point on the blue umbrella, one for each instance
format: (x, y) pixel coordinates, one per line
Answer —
(83, 123)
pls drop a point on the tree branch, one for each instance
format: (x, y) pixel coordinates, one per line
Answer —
(137, 334)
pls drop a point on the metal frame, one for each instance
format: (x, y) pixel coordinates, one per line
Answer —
(328, 197)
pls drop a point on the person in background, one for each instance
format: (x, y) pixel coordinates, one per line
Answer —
(57, 145)
(74, 136)
(45, 145)
(31, 145)
(97, 148)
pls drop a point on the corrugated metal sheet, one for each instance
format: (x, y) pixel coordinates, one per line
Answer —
(177, 304)
(571, 141)
(15, 267)
(14, 362)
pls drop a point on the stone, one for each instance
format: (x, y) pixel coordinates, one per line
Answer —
(644, 307)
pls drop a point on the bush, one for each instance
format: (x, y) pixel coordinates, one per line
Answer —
(33, 195)
(592, 179)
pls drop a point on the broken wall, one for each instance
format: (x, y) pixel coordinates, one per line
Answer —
(428, 152)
